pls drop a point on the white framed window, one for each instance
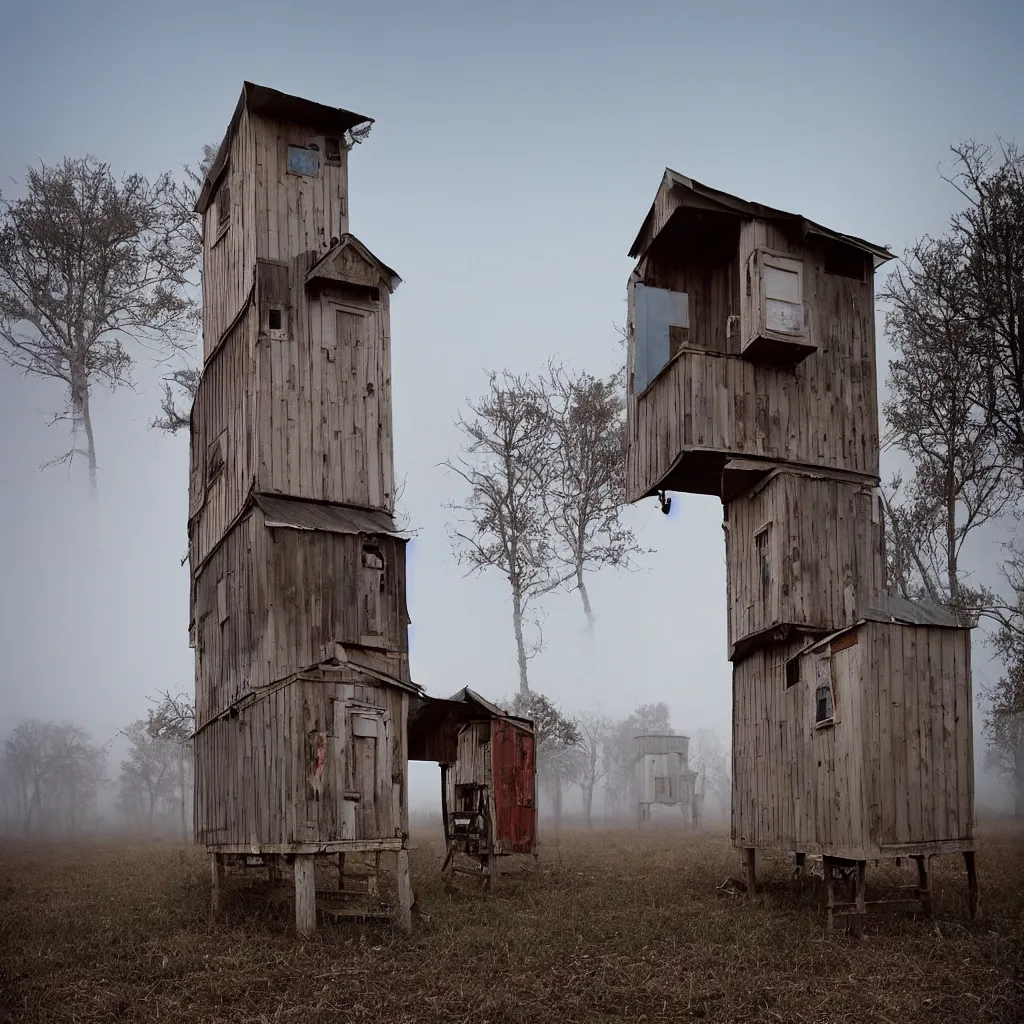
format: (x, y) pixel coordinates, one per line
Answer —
(824, 692)
(783, 281)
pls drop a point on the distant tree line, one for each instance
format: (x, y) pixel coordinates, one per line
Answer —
(53, 776)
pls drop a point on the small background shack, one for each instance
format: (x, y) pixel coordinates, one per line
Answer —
(299, 619)
(751, 373)
(488, 779)
(662, 775)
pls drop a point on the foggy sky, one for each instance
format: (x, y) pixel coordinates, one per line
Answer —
(515, 154)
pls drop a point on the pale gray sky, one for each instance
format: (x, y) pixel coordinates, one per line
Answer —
(515, 153)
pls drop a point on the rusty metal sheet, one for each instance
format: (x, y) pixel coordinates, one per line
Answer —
(295, 514)
(513, 754)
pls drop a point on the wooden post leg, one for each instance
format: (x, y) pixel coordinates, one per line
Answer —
(492, 871)
(217, 885)
(273, 871)
(924, 883)
(404, 891)
(830, 889)
(973, 899)
(799, 869)
(750, 871)
(305, 895)
(341, 871)
(860, 897)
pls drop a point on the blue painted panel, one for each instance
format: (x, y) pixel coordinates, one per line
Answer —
(655, 310)
(303, 161)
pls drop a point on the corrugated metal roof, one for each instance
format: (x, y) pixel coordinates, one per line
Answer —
(295, 514)
(258, 99)
(892, 608)
(677, 190)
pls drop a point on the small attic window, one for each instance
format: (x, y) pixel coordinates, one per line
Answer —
(224, 203)
(792, 672)
(303, 160)
(275, 320)
(332, 150)
(844, 261)
(763, 547)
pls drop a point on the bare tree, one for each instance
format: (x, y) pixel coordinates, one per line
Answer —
(958, 484)
(148, 771)
(587, 490)
(56, 772)
(89, 265)
(587, 766)
(174, 720)
(181, 384)
(503, 524)
(990, 230)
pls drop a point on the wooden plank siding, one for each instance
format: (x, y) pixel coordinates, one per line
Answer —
(271, 602)
(293, 767)
(874, 780)
(709, 400)
(823, 541)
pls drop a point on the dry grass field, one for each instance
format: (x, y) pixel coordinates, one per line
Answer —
(607, 926)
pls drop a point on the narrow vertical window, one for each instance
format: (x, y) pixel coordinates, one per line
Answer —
(763, 550)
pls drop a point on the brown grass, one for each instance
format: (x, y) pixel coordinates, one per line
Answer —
(609, 926)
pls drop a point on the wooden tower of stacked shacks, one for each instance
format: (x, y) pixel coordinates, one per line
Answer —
(662, 775)
(752, 377)
(299, 618)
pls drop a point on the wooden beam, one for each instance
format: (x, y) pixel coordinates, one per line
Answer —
(217, 885)
(305, 895)
(404, 918)
(973, 898)
(750, 871)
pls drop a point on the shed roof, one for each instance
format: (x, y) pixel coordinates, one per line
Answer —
(677, 191)
(322, 269)
(295, 514)
(265, 102)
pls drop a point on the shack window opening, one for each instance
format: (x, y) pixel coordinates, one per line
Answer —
(792, 672)
(274, 320)
(660, 329)
(214, 461)
(762, 544)
(844, 261)
(783, 295)
(823, 704)
(303, 160)
(332, 150)
(224, 204)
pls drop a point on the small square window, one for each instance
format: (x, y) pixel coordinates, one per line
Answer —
(303, 160)
(274, 320)
(823, 704)
(824, 694)
(763, 546)
(332, 150)
(792, 672)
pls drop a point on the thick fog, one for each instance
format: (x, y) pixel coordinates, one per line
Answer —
(513, 159)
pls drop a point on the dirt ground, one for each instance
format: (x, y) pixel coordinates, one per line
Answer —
(607, 925)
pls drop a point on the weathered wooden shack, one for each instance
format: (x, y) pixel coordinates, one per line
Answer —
(488, 765)
(752, 376)
(661, 775)
(299, 618)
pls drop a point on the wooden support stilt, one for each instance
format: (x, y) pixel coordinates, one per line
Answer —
(341, 871)
(973, 897)
(273, 871)
(830, 889)
(750, 871)
(404, 919)
(860, 897)
(924, 882)
(305, 895)
(217, 885)
(799, 869)
(492, 871)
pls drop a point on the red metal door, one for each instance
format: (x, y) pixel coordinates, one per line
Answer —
(513, 763)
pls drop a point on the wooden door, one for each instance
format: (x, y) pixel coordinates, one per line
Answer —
(514, 766)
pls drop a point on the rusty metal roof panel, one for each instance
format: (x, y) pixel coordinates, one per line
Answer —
(295, 514)
(892, 608)
(677, 190)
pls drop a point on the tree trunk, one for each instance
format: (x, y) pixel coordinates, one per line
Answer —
(588, 804)
(952, 570)
(584, 596)
(557, 801)
(517, 622)
(80, 410)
